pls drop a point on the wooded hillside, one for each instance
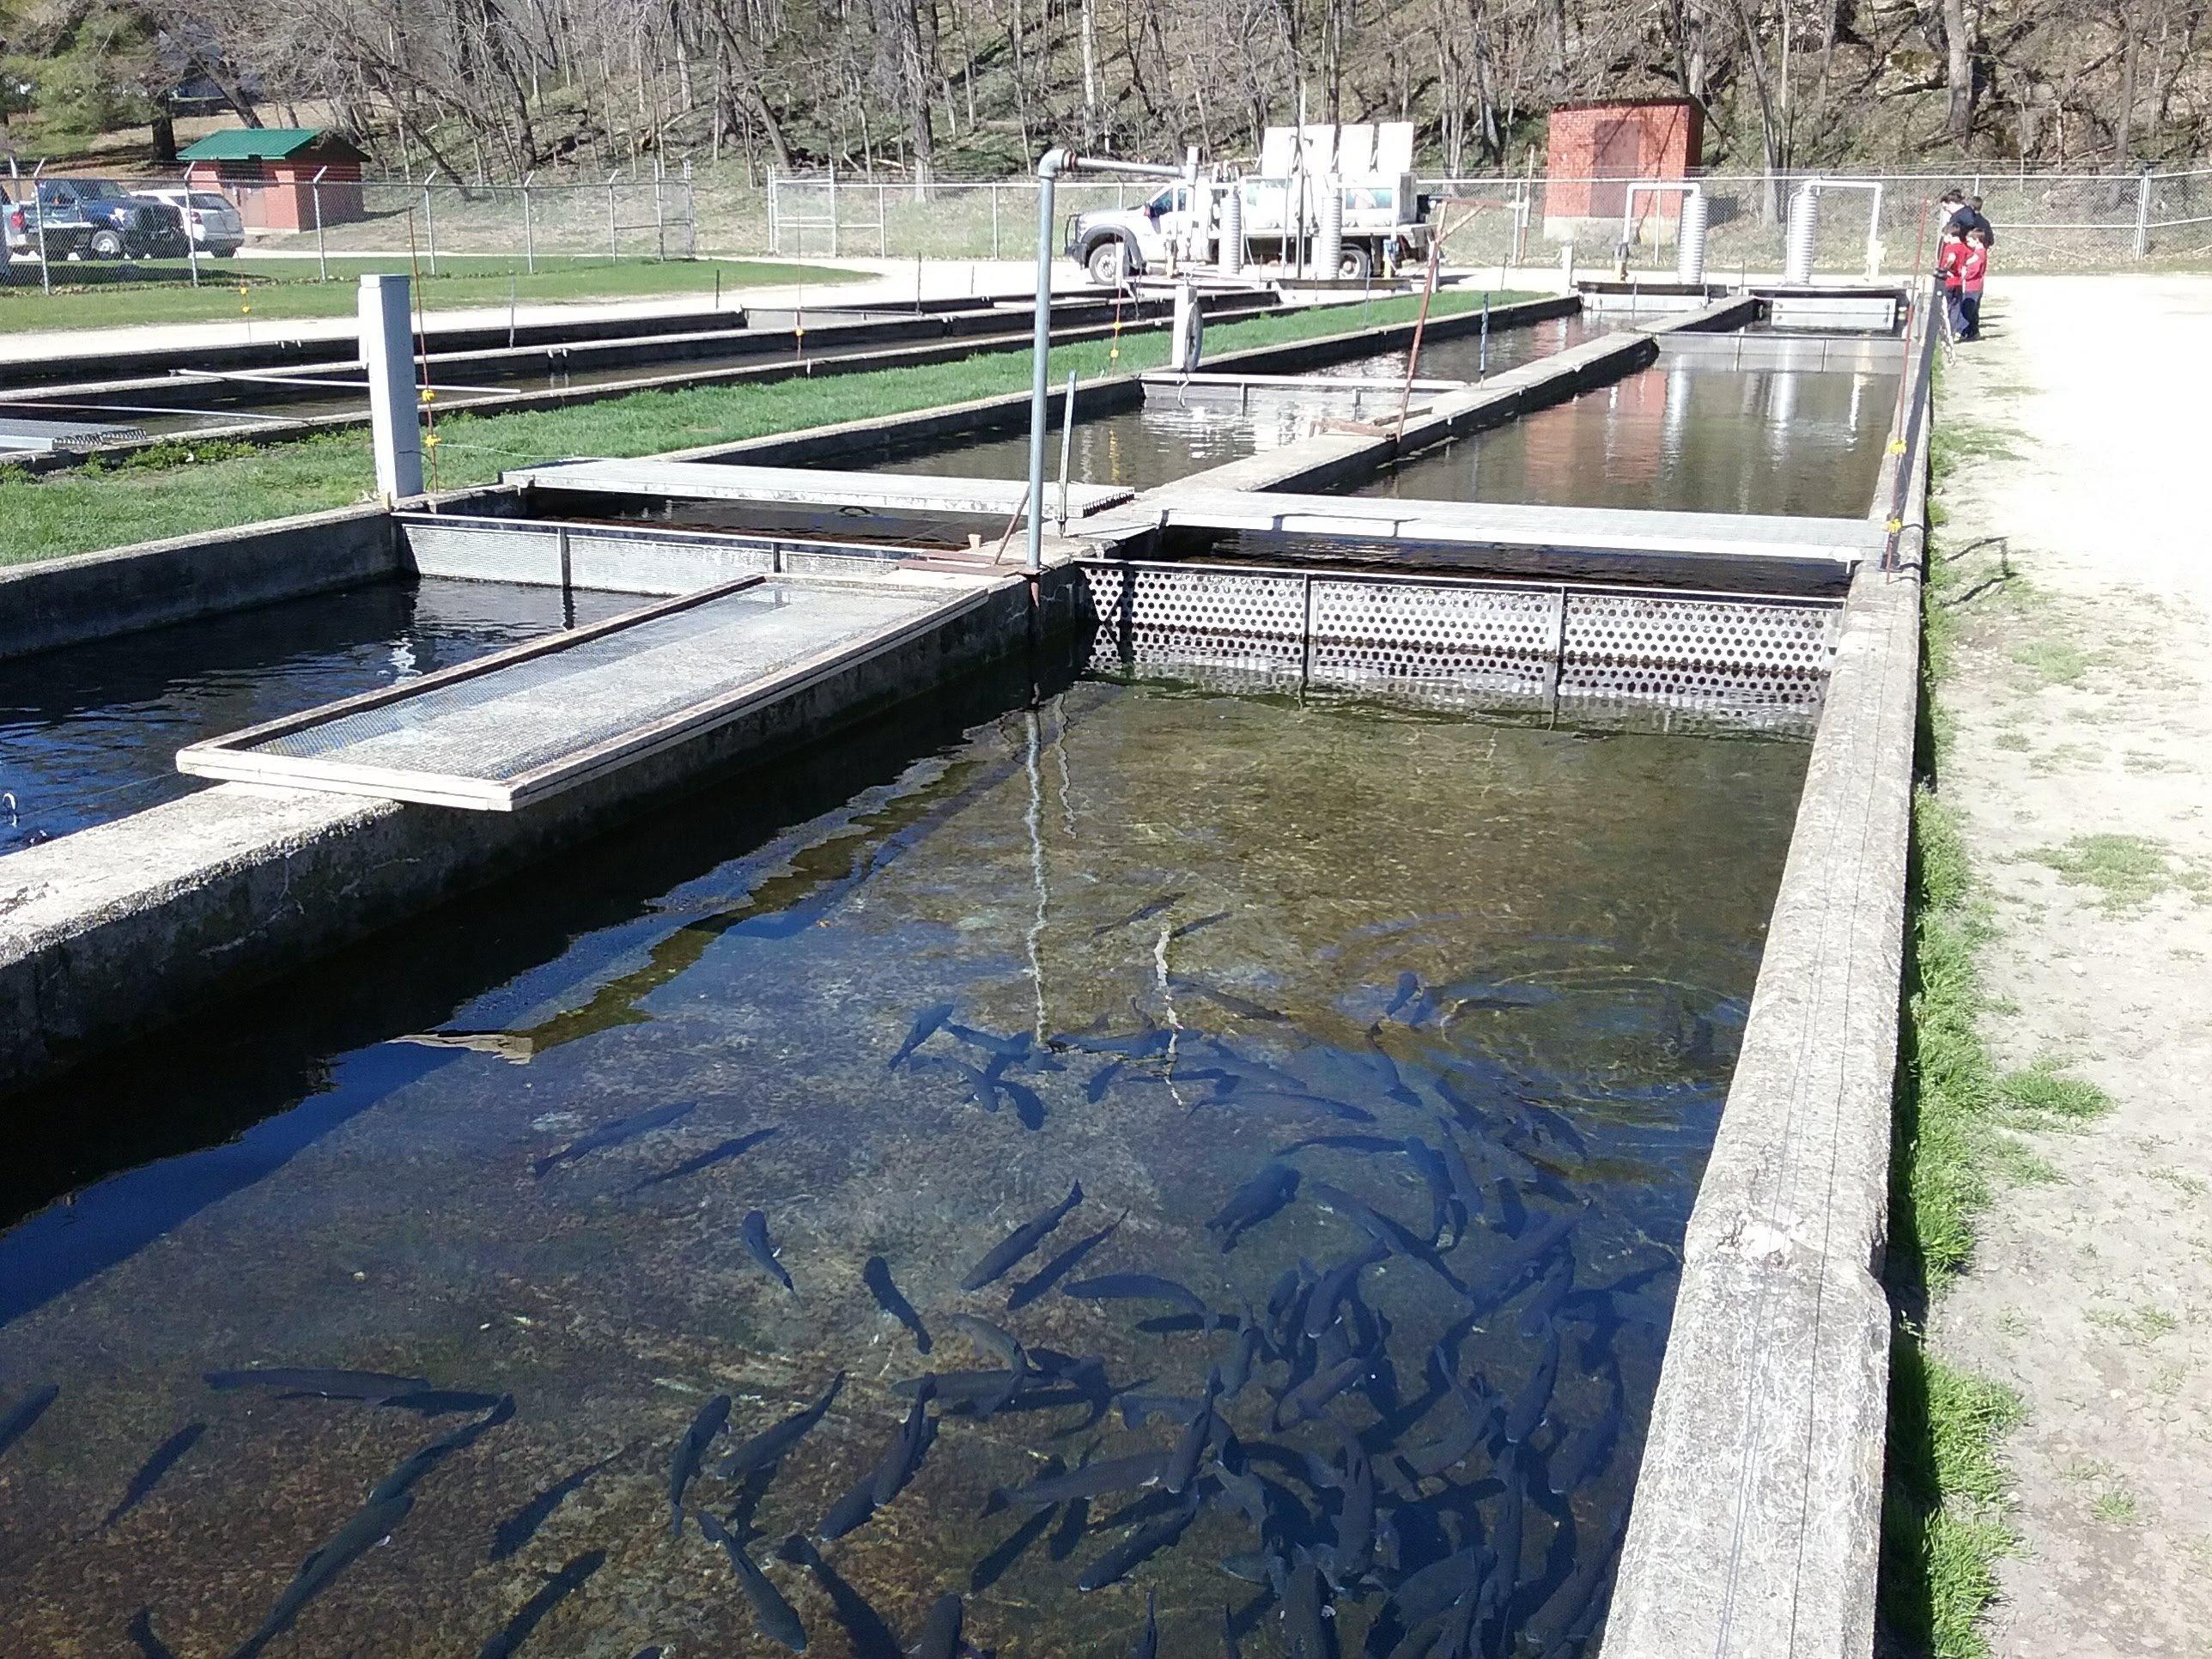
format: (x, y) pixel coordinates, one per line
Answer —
(500, 88)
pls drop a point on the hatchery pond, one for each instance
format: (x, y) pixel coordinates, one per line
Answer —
(1367, 1056)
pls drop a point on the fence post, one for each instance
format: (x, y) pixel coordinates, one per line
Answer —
(430, 229)
(691, 218)
(775, 228)
(614, 246)
(46, 264)
(833, 209)
(659, 215)
(994, 220)
(2142, 214)
(528, 229)
(322, 251)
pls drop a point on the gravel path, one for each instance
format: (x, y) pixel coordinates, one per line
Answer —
(2082, 766)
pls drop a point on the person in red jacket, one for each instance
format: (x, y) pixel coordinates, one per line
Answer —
(1950, 255)
(1974, 271)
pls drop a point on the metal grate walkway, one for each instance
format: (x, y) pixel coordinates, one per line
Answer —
(503, 731)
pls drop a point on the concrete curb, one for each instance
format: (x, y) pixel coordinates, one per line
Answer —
(1756, 1523)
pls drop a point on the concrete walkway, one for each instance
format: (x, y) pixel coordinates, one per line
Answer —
(2083, 765)
(886, 282)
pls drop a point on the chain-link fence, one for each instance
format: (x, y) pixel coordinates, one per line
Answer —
(74, 232)
(2043, 221)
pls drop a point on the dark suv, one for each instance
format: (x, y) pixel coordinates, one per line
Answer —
(88, 218)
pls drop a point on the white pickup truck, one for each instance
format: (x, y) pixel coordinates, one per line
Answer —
(1385, 218)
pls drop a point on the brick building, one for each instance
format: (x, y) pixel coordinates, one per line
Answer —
(1594, 150)
(269, 172)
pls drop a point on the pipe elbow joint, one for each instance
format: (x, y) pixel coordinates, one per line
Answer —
(1052, 163)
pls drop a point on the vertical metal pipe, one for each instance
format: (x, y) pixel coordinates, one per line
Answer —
(1047, 171)
(1067, 447)
(1482, 354)
(429, 230)
(394, 404)
(322, 248)
(614, 247)
(529, 231)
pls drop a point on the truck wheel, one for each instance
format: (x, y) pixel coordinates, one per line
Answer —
(1355, 264)
(106, 245)
(1108, 262)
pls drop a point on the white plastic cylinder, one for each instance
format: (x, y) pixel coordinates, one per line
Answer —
(395, 408)
(1232, 231)
(1328, 253)
(1690, 238)
(1804, 230)
(1187, 333)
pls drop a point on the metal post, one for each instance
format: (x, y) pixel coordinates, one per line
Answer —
(994, 189)
(833, 209)
(2142, 214)
(1048, 170)
(394, 423)
(192, 242)
(1066, 444)
(528, 229)
(1482, 353)
(322, 248)
(614, 246)
(430, 229)
(660, 219)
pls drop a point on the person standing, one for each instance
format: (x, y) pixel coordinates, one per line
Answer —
(1950, 256)
(1974, 270)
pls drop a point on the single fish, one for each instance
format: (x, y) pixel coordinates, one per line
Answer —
(1306, 1613)
(769, 1447)
(1244, 1491)
(989, 1338)
(1355, 1521)
(1060, 1266)
(1256, 1201)
(1190, 1446)
(1144, 912)
(518, 1528)
(691, 1449)
(370, 1526)
(925, 1025)
(1230, 1647)
(722, 1153)
(1409, 986)
(1535, 1396)
(773, 1614)
(1244, 1007)
(551, 1595)
(164, 1458)
(1334, 1286)
(1103, 1080)
(1190, 928)
(1028, 1104)
(991, 1568)
(374, 1386)
(437, 1402)
(959, 1391)
(1445, 1208)
(1139, 1548)
(613, 1134)
(1093, 1479)
(1138, 1407)
(1310, 1398)
(755, 1233)
(1238, 1371)
(1148, 1643)
(941, 1633)
(1342, 1143)
(401, 1479)
(907, 1452)
(1478, 1422)
(1387, 1231)
(1020, 1242)
(18, 1418)
(876, 1274)
(1140, 1287)
(141, 1632)
(857, 1504)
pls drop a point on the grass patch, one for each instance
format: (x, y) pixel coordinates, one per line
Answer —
(173, 491)
(1943, 1512)
(2126, 872)
(2054, 661)
(2043, 1096)
(160, 291)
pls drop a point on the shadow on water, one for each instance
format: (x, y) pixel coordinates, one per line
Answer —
(246, 1106)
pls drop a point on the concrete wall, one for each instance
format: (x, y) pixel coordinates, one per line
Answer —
(1757, 1518)
(60, 602)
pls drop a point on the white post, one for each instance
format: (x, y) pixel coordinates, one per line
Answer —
(431, 228)
(1185, 332)
(322, 247)
(394, 404)
(528, 229)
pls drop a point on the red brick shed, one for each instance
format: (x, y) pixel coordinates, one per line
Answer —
(1596, 148)
(270, 172)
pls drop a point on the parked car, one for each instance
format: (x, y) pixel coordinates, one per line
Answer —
(208, 216)
(90, 218)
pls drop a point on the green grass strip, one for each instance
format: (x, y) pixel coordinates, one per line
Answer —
(247, 289)
(171, 491)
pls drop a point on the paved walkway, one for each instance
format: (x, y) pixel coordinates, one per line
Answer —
(2083, 765)
(889, 281)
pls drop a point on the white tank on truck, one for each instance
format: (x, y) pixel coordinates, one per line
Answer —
(1326, 201)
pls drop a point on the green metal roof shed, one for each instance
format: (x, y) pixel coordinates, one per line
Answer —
(270, 145)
